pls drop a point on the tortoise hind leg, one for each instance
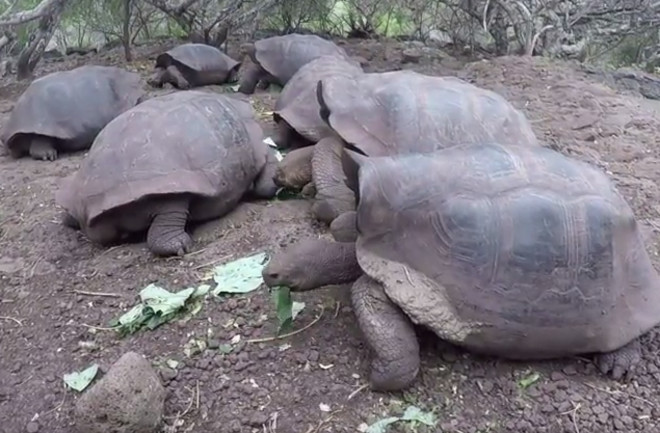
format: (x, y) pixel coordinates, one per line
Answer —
(43, 148)
(621, 362)
(390, 335)
(167, 233)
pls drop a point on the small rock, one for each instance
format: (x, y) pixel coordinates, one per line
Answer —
(168, 374)
(618, 425)
(128, 399)
(32, 427)
(213, 344)
(313, 356)
(570, 370)
(258, 419)
(411, 55)
(555, 376)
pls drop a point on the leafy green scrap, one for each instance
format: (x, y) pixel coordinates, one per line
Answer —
(79, 380)
(158, 306)
(287, 309)
(412, 415)
(239, 276)
(529, 380)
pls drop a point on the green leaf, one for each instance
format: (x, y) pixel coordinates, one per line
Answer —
(158, 306)
(413, 413)
(225, 348)
(81, 380)
(239, 276)
(381, 426)
(528, 381)
(286, 308)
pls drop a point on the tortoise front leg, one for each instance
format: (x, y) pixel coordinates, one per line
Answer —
(176, 78)
(43, 148)
(333, 197)
(156, 79)
(390, 335)
(621, 362)
(249, 78)
(167, 233)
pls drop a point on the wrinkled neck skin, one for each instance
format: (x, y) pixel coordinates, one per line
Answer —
(313, 263)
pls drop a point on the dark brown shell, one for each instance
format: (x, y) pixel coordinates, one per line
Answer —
(74, 105)
(298, 104)
(515, 251)
(282, 56)
(195, 142)
(201, 58)
(404, 111)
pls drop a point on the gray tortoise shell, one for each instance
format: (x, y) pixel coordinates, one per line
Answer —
(73, 106)
(194, 142)
(282, 56)
(511, 250)
(404, 111)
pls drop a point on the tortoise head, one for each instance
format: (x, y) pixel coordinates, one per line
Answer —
(248, 49)
(312, 263)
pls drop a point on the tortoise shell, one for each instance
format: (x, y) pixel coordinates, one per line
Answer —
(72, 106)
(298, 104)
(509, 250)
(282, 56)
(405, 111)
(191, 142)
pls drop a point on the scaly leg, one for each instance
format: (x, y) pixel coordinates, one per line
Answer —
(43, 148)
(167, 234)
(389, 333)
(622, 362)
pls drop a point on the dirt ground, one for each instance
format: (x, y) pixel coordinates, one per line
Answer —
(48, 328)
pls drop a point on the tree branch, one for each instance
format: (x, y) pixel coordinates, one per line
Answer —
(44, 8)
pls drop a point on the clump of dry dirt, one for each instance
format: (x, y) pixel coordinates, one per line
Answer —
(49, 327)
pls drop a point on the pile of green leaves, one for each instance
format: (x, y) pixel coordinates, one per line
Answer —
(158, 305)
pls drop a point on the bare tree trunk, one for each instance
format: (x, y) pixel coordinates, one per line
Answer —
(126, 34)
(31, 54)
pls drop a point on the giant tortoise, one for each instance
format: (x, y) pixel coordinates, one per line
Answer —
(506, 250)
(276, 59)
(183, 157)
(193, 65)
(297, 112)
(401, 112)
(64, 111)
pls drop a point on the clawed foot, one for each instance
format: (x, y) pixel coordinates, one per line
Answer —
(170, 245)
(621, 363)
(43, 152)
(393, 376)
